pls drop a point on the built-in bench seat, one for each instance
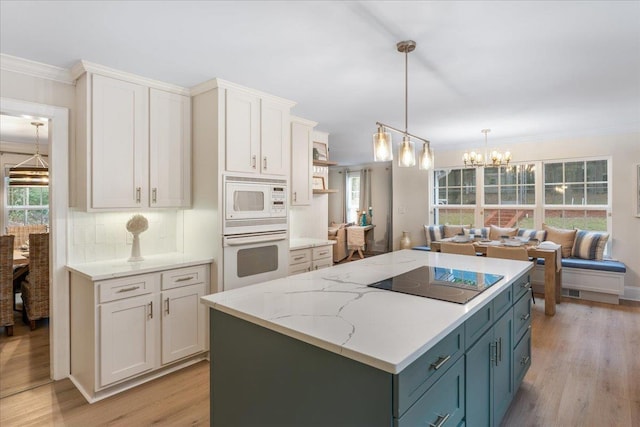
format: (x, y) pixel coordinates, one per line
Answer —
(590, 264)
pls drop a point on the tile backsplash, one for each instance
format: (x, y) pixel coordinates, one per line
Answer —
(103, 236)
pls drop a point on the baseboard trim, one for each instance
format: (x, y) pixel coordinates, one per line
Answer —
(631, 293)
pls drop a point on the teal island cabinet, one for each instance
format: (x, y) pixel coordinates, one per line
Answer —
(323, 348)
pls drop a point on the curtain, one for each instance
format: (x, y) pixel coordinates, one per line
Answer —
(365, 190)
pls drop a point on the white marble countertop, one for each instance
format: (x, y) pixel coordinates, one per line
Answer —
(308, 242)
(110, 269)
(333, 308)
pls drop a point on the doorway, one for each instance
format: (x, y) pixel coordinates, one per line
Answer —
(58, 118)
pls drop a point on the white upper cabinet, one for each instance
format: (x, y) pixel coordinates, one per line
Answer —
(119, 157)
(257, 134)
(301, 157)
(133, 142)
(169, 149)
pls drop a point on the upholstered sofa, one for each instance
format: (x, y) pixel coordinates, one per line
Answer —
(586, 273)
(338, 232)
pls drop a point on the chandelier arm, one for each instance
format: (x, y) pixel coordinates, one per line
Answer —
(402, 132)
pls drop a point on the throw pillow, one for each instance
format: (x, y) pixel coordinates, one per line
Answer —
(483, 232)
(453, 230)
(561, 236)
(496, 232)
(589, 244)
(540, 235)
(433, 232)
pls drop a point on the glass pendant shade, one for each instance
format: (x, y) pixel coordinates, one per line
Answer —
(406, 153)
(382, 146)
(426, 158)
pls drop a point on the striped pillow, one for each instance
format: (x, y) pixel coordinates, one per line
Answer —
(433, 232)
(483, 232)
(540, 235)
(589, 245)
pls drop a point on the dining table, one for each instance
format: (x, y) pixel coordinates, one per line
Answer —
(552, 267)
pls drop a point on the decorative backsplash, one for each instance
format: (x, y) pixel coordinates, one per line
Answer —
(103, 236)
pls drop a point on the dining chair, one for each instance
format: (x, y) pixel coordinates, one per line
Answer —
(458, 248)
(22, 232)
(517, 253)
(6, 283)
(35, 289)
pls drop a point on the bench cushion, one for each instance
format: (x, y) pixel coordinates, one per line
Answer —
(422, 248)
(587, 264)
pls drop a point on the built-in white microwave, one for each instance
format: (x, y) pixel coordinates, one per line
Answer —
(253, 204)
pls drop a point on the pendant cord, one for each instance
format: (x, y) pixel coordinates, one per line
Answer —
(406, 90)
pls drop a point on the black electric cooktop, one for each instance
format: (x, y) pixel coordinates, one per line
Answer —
(446, 284)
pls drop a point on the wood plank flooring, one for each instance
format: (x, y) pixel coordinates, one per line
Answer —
(585, 372)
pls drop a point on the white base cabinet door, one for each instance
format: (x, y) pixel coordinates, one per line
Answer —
(183, 322)
(127, 337)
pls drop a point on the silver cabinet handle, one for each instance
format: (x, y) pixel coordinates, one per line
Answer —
(494, 352)
(525, 316)
(298, 258)
(184, 279)
(438, 363)
(440, 420)
(168, 311)
(323, 253)
(138, 192)
(150, 309)
(525, 360)
(295, 196)
(253, 161)
(154, 195)
(264, 162)
(129, 289)
(526, 285)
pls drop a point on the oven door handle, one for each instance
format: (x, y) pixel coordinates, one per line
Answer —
(240, 241)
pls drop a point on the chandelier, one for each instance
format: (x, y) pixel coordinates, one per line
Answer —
(23, 175)
(496, 158)
(382, 141)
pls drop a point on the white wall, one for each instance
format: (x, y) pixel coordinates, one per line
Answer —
(410, 203)
(311, 220)
(624, 150)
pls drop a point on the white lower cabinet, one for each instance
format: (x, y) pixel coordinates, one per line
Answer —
(129, 330)
(304, 260)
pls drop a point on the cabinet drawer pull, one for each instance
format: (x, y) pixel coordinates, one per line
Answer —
(440, 420)
(526, 285)
(138, 190)
(150, 309)
(525, 316)
(323, 253)
(168, 311)
(129, 289)
(298, 258)
(154, 195)
(253, 161)
(525, 360)
(438, 363)
(184, 279)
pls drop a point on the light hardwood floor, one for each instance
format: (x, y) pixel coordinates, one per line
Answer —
(585, 372)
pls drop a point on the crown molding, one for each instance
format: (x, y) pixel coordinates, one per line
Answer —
(89, 67)
(223, 84)
(35, 69)
(306, 122)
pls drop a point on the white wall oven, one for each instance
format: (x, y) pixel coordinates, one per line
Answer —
(255, 230)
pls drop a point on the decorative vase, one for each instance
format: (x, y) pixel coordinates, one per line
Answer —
(136, 225)
(405, 240)
(135, 249)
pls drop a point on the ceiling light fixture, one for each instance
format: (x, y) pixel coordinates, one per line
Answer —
(382, 141)
(23, 175)
(497, 158)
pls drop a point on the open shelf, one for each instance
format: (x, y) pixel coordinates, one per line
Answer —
(327, 191)
(324, 163)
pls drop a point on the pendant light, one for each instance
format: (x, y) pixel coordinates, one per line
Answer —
(382, 141)
(24, 175)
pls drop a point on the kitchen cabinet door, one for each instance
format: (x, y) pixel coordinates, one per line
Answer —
(242, 127)
(301, 157)
(503, 369)
(183, 324)
(274, 133)
(128, 329)
(169, 149)
(479, 381)
(119, 138)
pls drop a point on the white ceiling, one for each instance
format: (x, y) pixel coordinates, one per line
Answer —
(529, 70)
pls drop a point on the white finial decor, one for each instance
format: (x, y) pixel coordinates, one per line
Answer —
(136, 225)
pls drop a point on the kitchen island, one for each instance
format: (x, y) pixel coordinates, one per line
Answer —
(323, 348)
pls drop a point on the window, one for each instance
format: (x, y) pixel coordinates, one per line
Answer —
(27, 205)
(510, 196)
(576, 194)
(353, 196)
(454, 196)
